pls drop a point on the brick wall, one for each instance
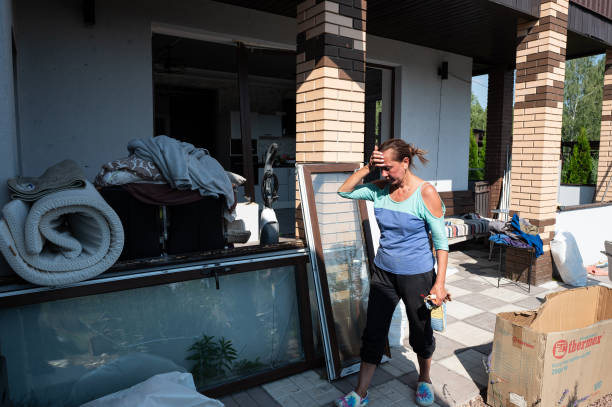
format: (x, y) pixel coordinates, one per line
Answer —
(538, 111)
(330, 95)
(604, 169)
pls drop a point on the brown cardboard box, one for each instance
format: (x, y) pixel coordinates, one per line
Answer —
(555, 356)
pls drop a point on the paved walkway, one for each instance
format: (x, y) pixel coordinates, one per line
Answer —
(458, 368)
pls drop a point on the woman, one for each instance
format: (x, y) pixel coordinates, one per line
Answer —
(406, 209)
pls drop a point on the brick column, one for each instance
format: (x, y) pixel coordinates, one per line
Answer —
(538, 111)
(604, 168)
(499, 130)
(330, 95)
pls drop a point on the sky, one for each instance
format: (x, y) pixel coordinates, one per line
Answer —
(480, 87)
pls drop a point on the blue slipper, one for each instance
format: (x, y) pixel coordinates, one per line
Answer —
(424, 394)
(352, 400)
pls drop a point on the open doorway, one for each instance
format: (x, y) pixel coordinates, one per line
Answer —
(379, 109)
(198, 100)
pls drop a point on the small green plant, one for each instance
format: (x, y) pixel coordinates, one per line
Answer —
(213, 358)
(244, 366)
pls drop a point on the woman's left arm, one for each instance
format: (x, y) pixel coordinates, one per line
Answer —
(435, 207)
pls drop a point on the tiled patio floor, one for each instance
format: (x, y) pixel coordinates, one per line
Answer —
(458, 368)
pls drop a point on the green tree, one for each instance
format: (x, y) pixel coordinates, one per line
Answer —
(583, 93)
(580, 166)
(478, 115)
(476, 160)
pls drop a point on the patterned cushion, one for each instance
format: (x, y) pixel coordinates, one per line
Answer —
(469, 227)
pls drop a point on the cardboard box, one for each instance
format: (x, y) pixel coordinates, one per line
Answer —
(556, 356)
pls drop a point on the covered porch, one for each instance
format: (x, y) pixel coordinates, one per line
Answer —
(83, 78)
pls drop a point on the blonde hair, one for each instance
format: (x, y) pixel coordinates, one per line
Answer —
(404, 150)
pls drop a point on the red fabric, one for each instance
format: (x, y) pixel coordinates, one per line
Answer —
(161, 194)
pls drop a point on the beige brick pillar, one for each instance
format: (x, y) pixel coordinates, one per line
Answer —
(604, 169)
(330, 95)
(538, 111)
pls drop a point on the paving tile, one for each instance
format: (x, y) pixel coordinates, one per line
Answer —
(467, 334)
(484, 320)
(228, 401)
(394, 393)
(490, 280)
(550, 285)
(450, 319)
(461, 310)
(508, 308)
(453, 277)
(471, 285)
(451, 388)
(456, 291)
(348, 383)
(392, 370)
(411, 379)
(324, 395)
(533, 290)
(299, 399)
(504, 294)
(469, 364)
(445, 347)
(403, 359)
(532, 303)
(281, 388)
(243, 399)
(261, 397)
(483, 302)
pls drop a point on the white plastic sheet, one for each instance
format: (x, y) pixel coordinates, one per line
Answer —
(174, 389)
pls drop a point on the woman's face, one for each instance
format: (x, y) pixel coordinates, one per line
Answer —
(394, 170)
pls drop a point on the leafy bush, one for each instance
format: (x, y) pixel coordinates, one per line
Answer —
(579, 167)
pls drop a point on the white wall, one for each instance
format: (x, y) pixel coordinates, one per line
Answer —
(442, 131)
(9, 166)
(85, 91)
(575, 195)
(590, 227)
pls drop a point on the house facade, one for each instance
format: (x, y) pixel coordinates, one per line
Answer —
(325, 80)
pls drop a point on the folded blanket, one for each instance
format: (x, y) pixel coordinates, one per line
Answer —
(186, 167)
(64, 175)
(63, 238)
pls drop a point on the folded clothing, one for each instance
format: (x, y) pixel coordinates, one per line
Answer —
(127, 170)
(454, 227)
(61, 176)
(63, 238)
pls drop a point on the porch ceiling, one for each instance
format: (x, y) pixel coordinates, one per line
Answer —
(481, 29)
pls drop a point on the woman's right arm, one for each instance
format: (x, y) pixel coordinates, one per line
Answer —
(355, 179)
(376, 160)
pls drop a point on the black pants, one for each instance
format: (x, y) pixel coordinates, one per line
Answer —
(386, 289)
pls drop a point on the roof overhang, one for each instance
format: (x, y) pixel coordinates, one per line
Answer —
(484, 30)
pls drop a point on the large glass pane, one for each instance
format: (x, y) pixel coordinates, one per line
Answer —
(67, 352)
(345, 262)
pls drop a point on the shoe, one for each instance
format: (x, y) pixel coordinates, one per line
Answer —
(424, 394)
(352, 400)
